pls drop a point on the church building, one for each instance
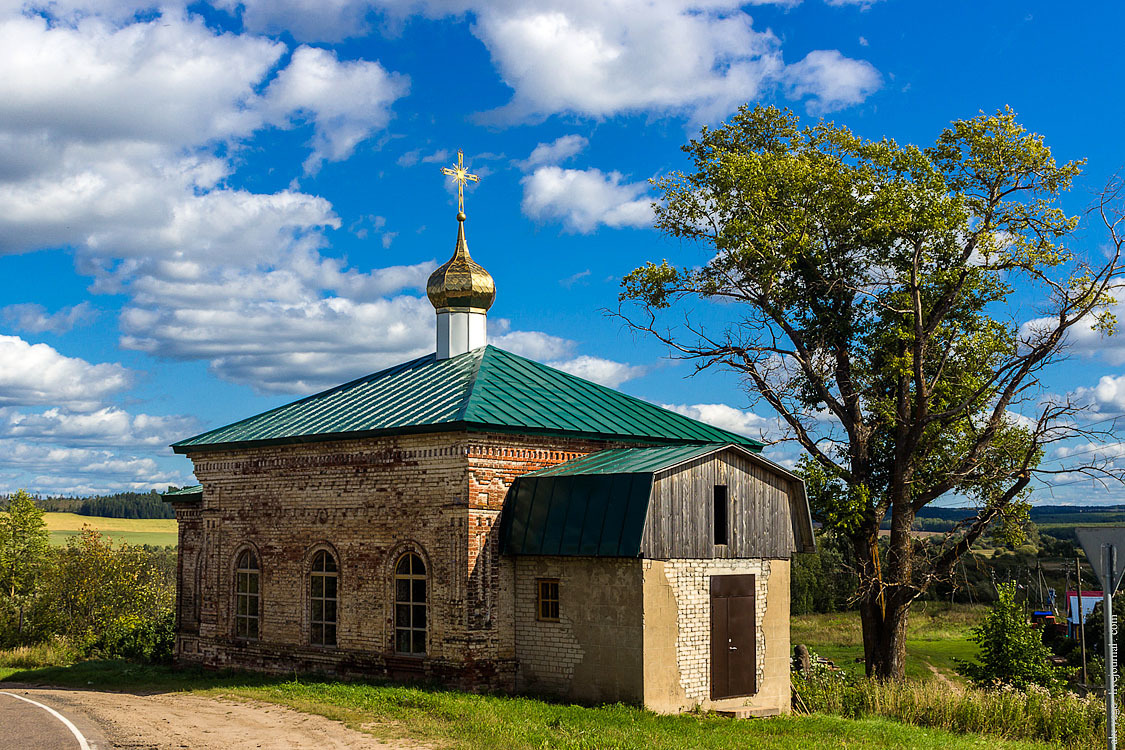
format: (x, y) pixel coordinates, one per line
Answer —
(479, 519)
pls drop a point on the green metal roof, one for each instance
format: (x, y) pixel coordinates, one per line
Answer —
(629, 460)
(487, 389)
(600, 515)
(185, 494)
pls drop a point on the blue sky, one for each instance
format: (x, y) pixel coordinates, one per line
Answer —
(208, 210)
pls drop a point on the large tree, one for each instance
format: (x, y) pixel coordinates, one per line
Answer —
(896, 307)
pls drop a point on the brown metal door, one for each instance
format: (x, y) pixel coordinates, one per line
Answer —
(734, 671)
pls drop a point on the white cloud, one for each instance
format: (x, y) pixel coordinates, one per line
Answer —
(603, 371)
(171, 81)
(574, 278)
(1083, 339)
(107, 426)
(109, 179)
(558, 150)
(556, 352)
(831, 80)
(727, 418)
(531, 344)
(700, 58)
(346, 101)
(37, 374)
(326, 20)
(585, 199)
(33, 318)
(138, 189)
(303, 325)
(82, 470)
(1108, 396)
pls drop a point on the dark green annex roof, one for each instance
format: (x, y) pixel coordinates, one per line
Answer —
(184, 494)
(487, 389)
(596, 505)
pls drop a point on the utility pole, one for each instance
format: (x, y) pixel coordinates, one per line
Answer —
(1081, 617)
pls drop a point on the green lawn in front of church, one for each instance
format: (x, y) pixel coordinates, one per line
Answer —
(451, 719)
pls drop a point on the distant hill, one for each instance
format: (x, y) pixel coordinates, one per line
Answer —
(119, 505)
(1057, 520)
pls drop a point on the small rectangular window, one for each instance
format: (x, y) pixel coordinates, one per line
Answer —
(722, 527)
(548, 604)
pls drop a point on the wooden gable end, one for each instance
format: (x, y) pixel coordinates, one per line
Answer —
(680, 522)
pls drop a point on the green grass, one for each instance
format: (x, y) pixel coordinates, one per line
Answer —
(160, 532)
(450, 719)
(1067, 719)
(936, 635)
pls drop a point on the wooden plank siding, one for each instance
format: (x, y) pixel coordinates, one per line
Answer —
(680, 518)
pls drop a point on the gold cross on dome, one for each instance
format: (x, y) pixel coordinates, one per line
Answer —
(460, 175)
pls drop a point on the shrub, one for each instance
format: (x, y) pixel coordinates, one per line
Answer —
(1012, 652)
(55, 652)
(150, 640)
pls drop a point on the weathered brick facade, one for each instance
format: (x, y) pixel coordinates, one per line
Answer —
(368, 502)
(630, 629)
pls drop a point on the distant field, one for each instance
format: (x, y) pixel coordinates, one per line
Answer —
(156, 531)
(936, 634)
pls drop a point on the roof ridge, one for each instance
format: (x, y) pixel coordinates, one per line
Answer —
(734, 437)
(474, 377)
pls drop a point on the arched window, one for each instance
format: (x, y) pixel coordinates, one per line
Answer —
(247, 596)
(410, 605)
(322, 596)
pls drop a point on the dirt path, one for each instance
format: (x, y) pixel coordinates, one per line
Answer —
(174, 721)
(941, 676)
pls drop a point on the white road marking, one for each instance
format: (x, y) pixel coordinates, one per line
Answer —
(82, 743)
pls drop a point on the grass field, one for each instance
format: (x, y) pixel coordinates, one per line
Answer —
(450, 719)
(156, 531)
(936, 635)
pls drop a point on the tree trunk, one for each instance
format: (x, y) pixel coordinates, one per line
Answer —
(884, 639)
(886, 596)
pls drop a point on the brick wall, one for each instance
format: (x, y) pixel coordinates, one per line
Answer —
(689, 585)
(367, 502)
(594, 653)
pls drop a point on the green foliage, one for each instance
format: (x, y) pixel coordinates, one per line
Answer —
(107, 600)
(24, 554)
(89, 595)
(822, 581)
(151, 640)
(1011, 651)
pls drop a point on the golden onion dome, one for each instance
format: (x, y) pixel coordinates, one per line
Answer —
(461, 282)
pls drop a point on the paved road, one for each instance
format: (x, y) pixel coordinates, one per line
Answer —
(30, 726)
